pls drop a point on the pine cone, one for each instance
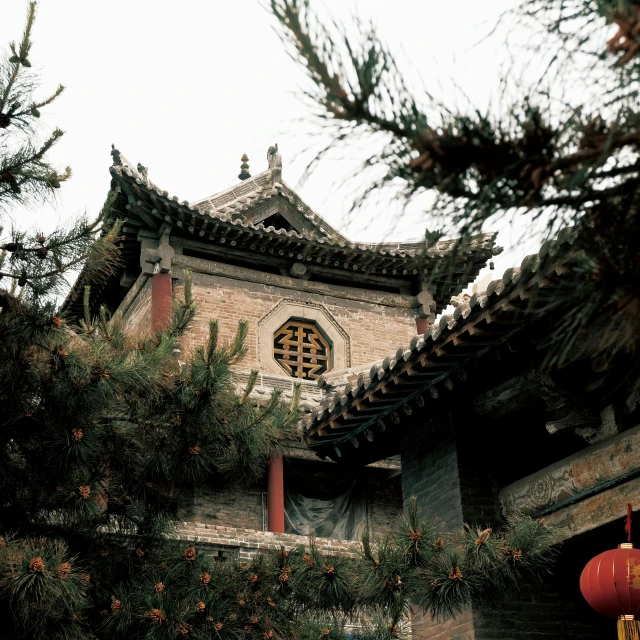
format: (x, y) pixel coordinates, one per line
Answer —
(455, 574)
(157, 616)
(36, 565)
(183, 628)
(189, 554)
(484, 535)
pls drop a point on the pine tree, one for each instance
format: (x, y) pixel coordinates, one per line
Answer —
(103, 434)
(566, 151)
(34, 261)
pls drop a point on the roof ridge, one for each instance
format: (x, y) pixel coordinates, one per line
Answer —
(238, 189)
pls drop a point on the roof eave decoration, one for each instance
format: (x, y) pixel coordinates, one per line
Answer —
(216, 223)
(434, 362)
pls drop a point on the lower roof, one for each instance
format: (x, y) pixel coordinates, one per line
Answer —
(353, 414)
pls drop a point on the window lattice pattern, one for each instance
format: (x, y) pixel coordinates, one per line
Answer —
(301, 350)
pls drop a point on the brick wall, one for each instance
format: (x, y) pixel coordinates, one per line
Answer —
(451, 481)
(249, 543)
(430, 471)
(374, 330)
(138, 316)
(229, 505)
(430, 474)
(384, 501)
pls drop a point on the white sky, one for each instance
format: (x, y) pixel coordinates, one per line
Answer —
(186, 87)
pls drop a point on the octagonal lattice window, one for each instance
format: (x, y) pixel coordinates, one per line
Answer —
(301, 349)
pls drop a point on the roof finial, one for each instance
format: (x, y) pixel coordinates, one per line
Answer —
(244, 167)
(115, 154)
(275, 163)
(271, 154)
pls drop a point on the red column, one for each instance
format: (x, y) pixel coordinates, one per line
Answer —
(161, 300)
(275, 496)
(421, 325)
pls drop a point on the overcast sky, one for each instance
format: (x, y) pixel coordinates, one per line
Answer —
(187, 87)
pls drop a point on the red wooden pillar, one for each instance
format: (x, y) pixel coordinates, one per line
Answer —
(275, 495)
(161, 300)
(421, 325)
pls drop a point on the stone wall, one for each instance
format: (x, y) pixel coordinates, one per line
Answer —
(374, 331)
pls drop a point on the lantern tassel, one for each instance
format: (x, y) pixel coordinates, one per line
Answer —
(628, 628)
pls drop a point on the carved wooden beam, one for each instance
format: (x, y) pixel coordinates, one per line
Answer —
(589, 472)
(593, 512)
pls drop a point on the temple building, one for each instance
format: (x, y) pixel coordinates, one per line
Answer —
(317, 305)
(455, 412)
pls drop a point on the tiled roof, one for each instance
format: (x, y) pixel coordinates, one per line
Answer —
(352, 414)
(222, 223)
(244, 196)
(254, 191)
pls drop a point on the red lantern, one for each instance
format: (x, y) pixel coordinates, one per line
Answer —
(610, 583)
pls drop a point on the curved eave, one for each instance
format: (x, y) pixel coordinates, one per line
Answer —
(147, 206)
